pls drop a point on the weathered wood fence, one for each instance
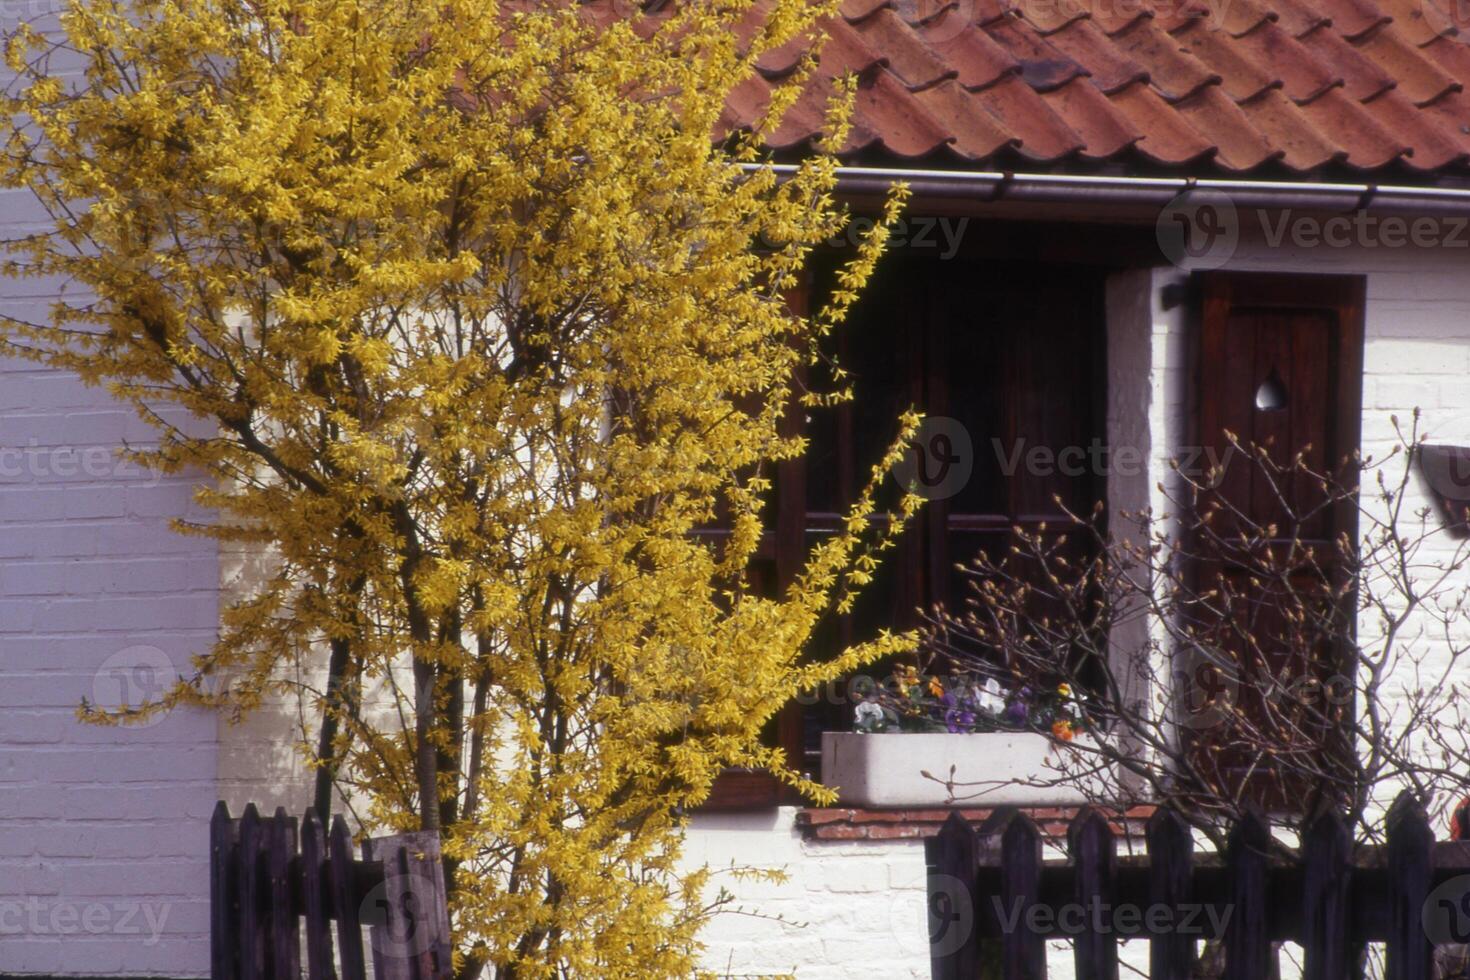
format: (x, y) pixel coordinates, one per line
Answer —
(277, 885)
(991, 896)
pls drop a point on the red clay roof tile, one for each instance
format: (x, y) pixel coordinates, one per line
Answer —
(1353, 19)
(1431, 148)
(1238, 17)
(1085, 43)
(1175, 73)
(1419, 78)
(1242, 78)
(1297, 17)
(1197, 86)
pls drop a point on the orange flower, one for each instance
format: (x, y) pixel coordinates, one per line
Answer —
(936, 688)
(1062, 730)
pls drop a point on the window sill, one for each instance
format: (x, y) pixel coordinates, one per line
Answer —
(851, 824)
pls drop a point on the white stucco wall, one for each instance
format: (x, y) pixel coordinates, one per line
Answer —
(111, 823)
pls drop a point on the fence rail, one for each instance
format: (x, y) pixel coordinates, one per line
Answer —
(993, 898)
(278, 884)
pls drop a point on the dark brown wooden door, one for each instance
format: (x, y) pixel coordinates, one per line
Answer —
(1280, 367)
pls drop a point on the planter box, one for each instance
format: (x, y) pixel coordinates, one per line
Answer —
(886, 770)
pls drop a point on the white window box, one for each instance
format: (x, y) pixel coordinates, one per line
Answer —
(887, 770)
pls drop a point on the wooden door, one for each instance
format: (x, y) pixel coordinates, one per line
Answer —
(1280, 367)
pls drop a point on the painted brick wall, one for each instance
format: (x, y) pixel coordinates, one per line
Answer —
(102, 832)
(103, 835)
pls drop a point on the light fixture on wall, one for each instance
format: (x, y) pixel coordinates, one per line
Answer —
(1271, 395)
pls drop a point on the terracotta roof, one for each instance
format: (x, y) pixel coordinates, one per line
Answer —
(1206, 87)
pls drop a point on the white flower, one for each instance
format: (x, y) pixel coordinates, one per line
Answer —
(867, 715)
(991, 697)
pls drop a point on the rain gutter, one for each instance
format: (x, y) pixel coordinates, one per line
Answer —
(984, 186)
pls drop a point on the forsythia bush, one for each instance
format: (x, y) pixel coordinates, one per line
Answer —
(472, 327)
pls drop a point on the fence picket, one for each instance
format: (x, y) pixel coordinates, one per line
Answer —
(252, 935)
(1094, 854)
(1333, 896)
(346, 903)
(319, 964)
(1326, 873)
(224, 877)
(1171, 870)
(285, 933)
(954, 937)
(1247, 948)
(1410, 865)
(271, 880)
(413, 941)
(1023, 950)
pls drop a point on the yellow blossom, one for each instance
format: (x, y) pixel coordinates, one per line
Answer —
(471, 328)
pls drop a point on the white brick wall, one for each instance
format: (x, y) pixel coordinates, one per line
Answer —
(103, 836)
(1417, 353)
(102, 831)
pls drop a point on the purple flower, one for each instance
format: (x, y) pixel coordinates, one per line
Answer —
(1016, 713)
(959, 721)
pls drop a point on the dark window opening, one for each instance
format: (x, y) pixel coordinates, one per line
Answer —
(1007, 361)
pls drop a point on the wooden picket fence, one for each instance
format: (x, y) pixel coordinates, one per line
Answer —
(991, 895)
(278, 884)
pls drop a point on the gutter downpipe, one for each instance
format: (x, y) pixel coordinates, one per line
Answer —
(985, 186)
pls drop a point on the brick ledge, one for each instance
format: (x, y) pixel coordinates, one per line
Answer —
(856, 823)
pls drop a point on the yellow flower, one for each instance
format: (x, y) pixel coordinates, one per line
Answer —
(1065, 690)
